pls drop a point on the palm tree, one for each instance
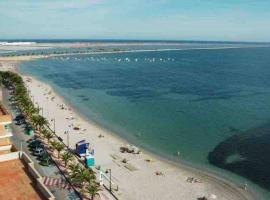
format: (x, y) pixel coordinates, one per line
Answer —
(47, 134)
(30, 110)
(66, 156)
(39, 121)
(53, 145)
(59, 147)
(24, 101)
(74, 167)
(93, 189)
(82, 175)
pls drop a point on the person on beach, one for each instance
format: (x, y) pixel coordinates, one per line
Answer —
(245, 186)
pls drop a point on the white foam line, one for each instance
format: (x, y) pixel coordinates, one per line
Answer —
(157, 50)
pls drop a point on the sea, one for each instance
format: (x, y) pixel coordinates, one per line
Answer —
(205, 105)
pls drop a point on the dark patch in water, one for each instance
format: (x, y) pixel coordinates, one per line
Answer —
(227, 95)
(252, 150)
(233, 129)
(134, 94)
(85, 99)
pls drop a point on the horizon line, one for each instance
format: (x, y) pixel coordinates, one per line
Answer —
(127, 40)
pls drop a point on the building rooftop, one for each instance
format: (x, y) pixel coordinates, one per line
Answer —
(4, 142)
(3, 110)
(15, 183)
(5, 116)
(4, 132)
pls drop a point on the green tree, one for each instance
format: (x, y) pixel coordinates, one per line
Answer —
(83, 175)
(74, 167)
(38, 121)
(66, 157)
(93, 188)
(47, 134)
(53, 145)
(59, 147)
(30, 110)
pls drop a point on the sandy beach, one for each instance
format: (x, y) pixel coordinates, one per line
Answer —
(143, 176)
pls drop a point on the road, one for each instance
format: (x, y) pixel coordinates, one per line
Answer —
(19, 139)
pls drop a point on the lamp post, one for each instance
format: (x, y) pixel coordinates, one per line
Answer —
(110, 170)
(40, 109)
(21, 147)
(53, 124)
(67, 133)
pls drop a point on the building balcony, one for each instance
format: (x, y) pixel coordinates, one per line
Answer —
(5, 131)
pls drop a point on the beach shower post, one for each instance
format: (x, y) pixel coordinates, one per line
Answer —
(67, 133)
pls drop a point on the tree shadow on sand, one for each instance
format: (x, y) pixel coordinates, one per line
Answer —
(247, 154)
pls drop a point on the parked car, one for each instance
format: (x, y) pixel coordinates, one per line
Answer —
(32, 139)
(35, 144)
(45, 160)
(20, 119)
(20, 122)
(39, 151)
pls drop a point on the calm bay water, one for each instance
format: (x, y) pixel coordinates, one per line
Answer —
(194, 101)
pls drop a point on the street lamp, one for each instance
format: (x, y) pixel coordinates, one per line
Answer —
(67, 133)
(41, 108)
(21, 147)
(53, 124)
(110, 170)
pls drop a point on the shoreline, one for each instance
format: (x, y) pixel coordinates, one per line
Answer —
(201, 171)
(196, 170)
(213, 179)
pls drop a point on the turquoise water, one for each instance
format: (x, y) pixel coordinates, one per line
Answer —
(188, 101)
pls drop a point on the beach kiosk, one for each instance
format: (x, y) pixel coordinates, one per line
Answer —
(90, 161)
(82, 147)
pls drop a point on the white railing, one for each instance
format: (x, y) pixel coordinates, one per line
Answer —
(9, 156)
(5, 148)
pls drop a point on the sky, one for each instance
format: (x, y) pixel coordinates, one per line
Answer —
(215, 20)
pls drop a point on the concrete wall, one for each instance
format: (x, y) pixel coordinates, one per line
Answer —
(26, 158)
(32, 171)
(39, 180)
(5, 148)
(44, 190)
(9, 156)
(1, 92)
